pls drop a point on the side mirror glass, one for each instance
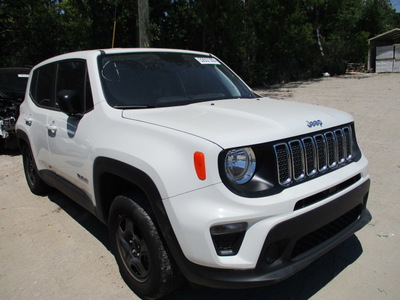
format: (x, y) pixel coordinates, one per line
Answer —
(68, 102)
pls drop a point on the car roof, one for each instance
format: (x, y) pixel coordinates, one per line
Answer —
(86, 54)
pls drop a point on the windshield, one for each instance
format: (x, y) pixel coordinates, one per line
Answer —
(156, 79)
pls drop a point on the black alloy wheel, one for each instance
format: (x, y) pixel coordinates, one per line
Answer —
(133, 249)
(143, 261)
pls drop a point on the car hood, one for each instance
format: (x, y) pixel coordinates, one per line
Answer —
(241, 122)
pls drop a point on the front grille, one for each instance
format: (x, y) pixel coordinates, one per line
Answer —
(311, 155)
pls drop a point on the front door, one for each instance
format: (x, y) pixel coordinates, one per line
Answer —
(69, 148)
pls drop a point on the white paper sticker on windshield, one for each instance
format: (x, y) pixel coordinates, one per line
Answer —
(207, 60)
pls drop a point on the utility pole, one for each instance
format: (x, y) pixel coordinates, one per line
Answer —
(114, 26)
(143, 23)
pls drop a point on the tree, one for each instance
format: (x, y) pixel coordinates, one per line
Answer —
(30, 31)
(264, 41)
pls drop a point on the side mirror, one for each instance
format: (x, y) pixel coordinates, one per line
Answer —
(69, 103)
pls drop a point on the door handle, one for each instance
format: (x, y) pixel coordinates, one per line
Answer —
(28, 120)
(52, 128)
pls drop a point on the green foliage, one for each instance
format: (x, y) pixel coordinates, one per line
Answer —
(264, 41)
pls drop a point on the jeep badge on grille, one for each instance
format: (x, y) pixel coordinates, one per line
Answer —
(314, 123)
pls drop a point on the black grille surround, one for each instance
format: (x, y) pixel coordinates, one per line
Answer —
(285, 163)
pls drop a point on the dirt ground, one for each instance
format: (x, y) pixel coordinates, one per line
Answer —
(52, 249)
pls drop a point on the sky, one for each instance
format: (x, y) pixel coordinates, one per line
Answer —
(396, 4)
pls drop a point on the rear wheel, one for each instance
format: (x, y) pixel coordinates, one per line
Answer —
(141, 256)
(35, 183)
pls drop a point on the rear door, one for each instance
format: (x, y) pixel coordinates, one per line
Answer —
(41, 91)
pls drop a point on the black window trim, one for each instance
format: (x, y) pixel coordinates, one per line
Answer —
(36, 74)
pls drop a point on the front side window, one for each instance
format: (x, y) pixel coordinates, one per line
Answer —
(156, 79)
(72, 75)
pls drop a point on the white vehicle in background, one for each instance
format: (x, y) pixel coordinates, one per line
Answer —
(193, 172)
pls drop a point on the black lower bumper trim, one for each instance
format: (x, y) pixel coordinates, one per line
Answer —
(280, 258)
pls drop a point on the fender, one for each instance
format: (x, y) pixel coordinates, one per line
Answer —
(104, 166)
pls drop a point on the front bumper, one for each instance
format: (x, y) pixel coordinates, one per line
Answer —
(291, 245)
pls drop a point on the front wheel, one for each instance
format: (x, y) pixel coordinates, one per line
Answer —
(141, 256)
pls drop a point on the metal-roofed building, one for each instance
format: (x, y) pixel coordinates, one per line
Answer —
(384, 52)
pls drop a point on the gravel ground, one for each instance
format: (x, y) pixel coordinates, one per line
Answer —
(50, 248)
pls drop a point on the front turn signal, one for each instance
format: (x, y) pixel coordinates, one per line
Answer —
(200, 165)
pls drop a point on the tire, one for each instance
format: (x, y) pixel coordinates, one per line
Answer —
(143, 261)
(35, 183)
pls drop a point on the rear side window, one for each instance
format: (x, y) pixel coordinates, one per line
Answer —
(50, 79)
(42, 86)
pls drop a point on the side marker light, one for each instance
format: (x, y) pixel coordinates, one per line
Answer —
(200, 165)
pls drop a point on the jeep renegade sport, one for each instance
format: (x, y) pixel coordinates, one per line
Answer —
(193, 172)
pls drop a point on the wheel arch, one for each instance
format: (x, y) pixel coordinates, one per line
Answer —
(126, 179)
(22, 138)
(112, 177)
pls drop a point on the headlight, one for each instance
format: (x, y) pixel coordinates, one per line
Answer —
(240, 165)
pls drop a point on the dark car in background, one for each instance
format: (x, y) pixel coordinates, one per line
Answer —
(12, 91)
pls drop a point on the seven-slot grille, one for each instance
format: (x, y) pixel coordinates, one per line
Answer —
(311, 155)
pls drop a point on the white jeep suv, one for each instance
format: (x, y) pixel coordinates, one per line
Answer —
(193, 172)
